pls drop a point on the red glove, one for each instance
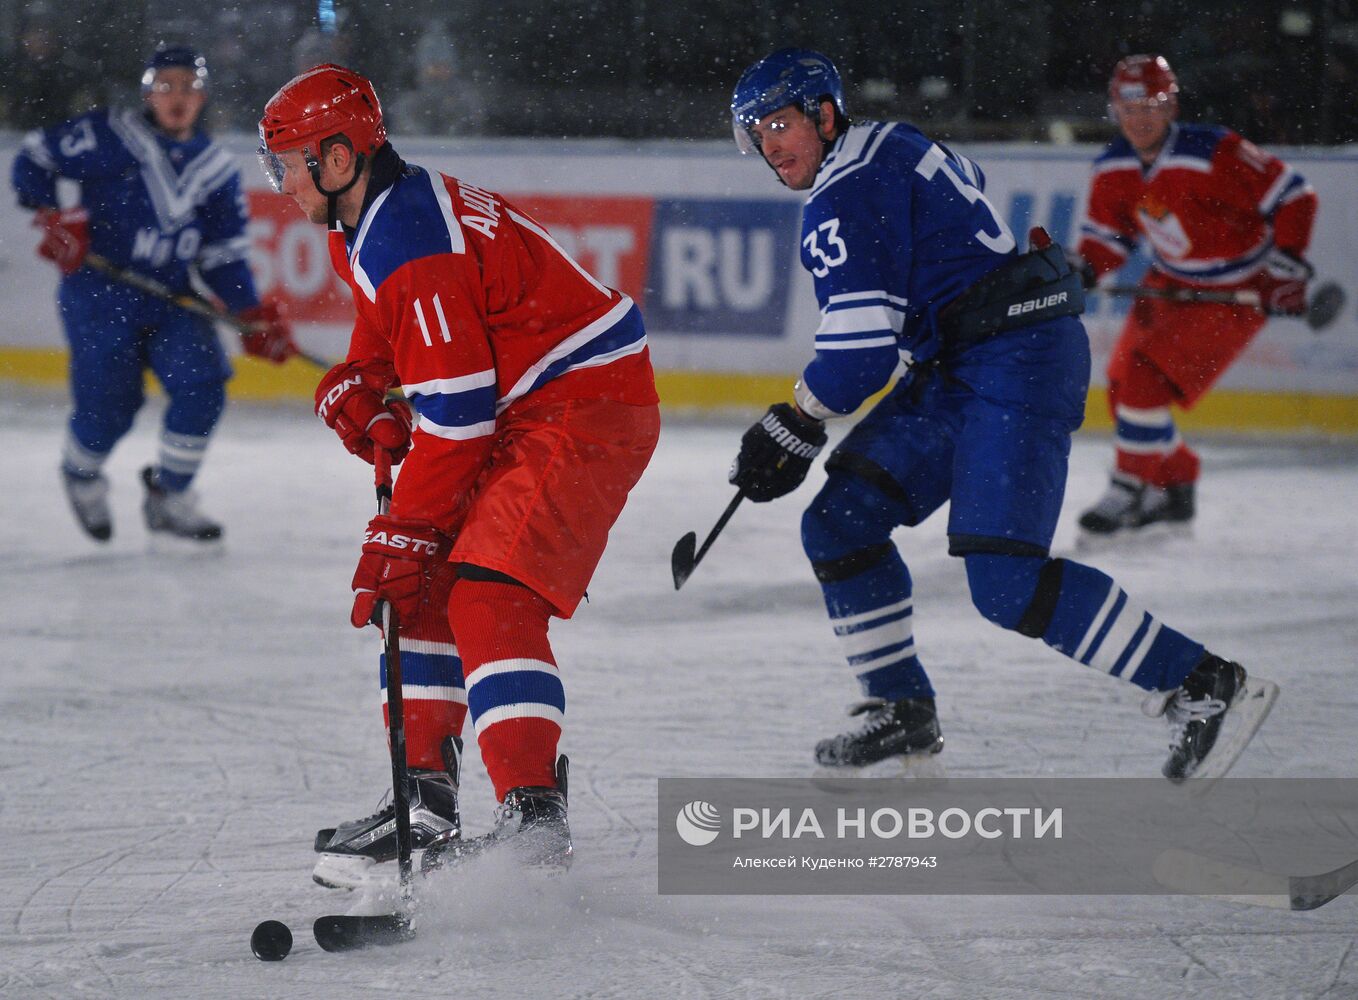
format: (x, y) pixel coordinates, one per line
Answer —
(271, 338)
(351, 399)
(65, 236)
(398, 562)
(1282, 283)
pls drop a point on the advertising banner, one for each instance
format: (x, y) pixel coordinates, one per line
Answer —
(706, 242)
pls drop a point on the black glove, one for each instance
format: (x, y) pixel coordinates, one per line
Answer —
(776, 453)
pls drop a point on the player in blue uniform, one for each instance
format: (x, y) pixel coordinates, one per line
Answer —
(912, 264)
(158, 197)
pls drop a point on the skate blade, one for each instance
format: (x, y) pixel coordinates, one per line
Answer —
(921, 766)
(1160, 533)
(1247, 713)
(161, 544)
(345, 871)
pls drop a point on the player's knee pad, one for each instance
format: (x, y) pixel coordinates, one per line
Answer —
(847, 566)
(1015, 592)
(195, 409)
(847, 516)
(1142, 385)
(490, 617)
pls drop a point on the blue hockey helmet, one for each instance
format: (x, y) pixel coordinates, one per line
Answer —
(166, 56)
(798, 77)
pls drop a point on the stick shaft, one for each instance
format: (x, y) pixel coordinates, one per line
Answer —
(1240, 297)
(396, 730)
(716, 529)
(184, 300)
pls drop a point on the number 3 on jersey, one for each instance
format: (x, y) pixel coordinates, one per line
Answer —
(838, 254)
(928, 168)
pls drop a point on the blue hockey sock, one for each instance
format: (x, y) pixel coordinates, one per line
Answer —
(179, 459)
(872, 614)
(1097, 624)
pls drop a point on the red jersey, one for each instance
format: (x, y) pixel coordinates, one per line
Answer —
(1211, 206)
(473, 306)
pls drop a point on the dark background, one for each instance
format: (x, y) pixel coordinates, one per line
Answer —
(966, 69)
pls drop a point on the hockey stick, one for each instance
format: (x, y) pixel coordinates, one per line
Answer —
(683, 560)
(187, 301)
(1323, 308)
(1224, 880)
(396, 729)
(347, 932)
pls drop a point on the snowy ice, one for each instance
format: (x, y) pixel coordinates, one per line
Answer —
(176, 726)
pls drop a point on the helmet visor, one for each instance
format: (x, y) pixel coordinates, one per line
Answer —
(272, 164)
(745, 141)
(273, 168)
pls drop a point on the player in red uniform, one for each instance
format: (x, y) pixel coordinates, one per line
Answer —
(537, 415)
(1218, 213)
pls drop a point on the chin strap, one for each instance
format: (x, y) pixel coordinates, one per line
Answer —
(332, 196)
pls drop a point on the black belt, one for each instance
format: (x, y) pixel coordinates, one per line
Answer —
(1031, 288)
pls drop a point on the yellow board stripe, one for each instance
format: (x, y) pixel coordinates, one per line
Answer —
(1226, 409)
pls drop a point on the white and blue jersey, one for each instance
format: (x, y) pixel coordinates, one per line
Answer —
(895, 227)
(157, 205)
(165, 208)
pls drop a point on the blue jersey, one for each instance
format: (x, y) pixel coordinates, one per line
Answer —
(157, 205)
(894, 228)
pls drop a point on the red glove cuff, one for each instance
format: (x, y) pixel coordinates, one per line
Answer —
(397, 564)
(65, 236)
(351, 400)
(271, 338)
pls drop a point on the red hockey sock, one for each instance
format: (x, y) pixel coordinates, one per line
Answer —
(1180, 466)
(432, 690)
(514, 691)
(1148, 444)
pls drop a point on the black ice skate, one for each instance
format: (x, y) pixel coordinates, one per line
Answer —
(531, 821)
(1212, 717)
(89, 502)
(1129, 506)
(175, 514)
(891, 729)
(349, 852)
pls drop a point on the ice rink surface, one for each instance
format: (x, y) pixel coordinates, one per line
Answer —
(175, 727)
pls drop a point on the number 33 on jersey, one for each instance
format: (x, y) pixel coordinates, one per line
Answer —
(881, 233)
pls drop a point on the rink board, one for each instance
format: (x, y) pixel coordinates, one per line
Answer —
(706, 243)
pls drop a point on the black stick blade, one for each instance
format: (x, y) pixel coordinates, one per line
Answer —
(351, 933)
(1326, 305)
(682, 558)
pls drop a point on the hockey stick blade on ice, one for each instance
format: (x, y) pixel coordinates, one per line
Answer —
(684, 559)
(351, 933)
(187, 301)
(1324, 307)
(1234, 883)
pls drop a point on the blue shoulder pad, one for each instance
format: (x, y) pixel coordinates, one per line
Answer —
(411, 219)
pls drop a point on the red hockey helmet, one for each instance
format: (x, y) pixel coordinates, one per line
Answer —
(324, 101)
(1144, 79)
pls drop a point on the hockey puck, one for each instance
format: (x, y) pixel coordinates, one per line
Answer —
(271, 941)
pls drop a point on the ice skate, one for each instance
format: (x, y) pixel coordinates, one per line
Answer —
(895, 734)
(175, 514)
(531, 822)
(349, 852)
(1212, 718)
(1131, 508)
(89, 502)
